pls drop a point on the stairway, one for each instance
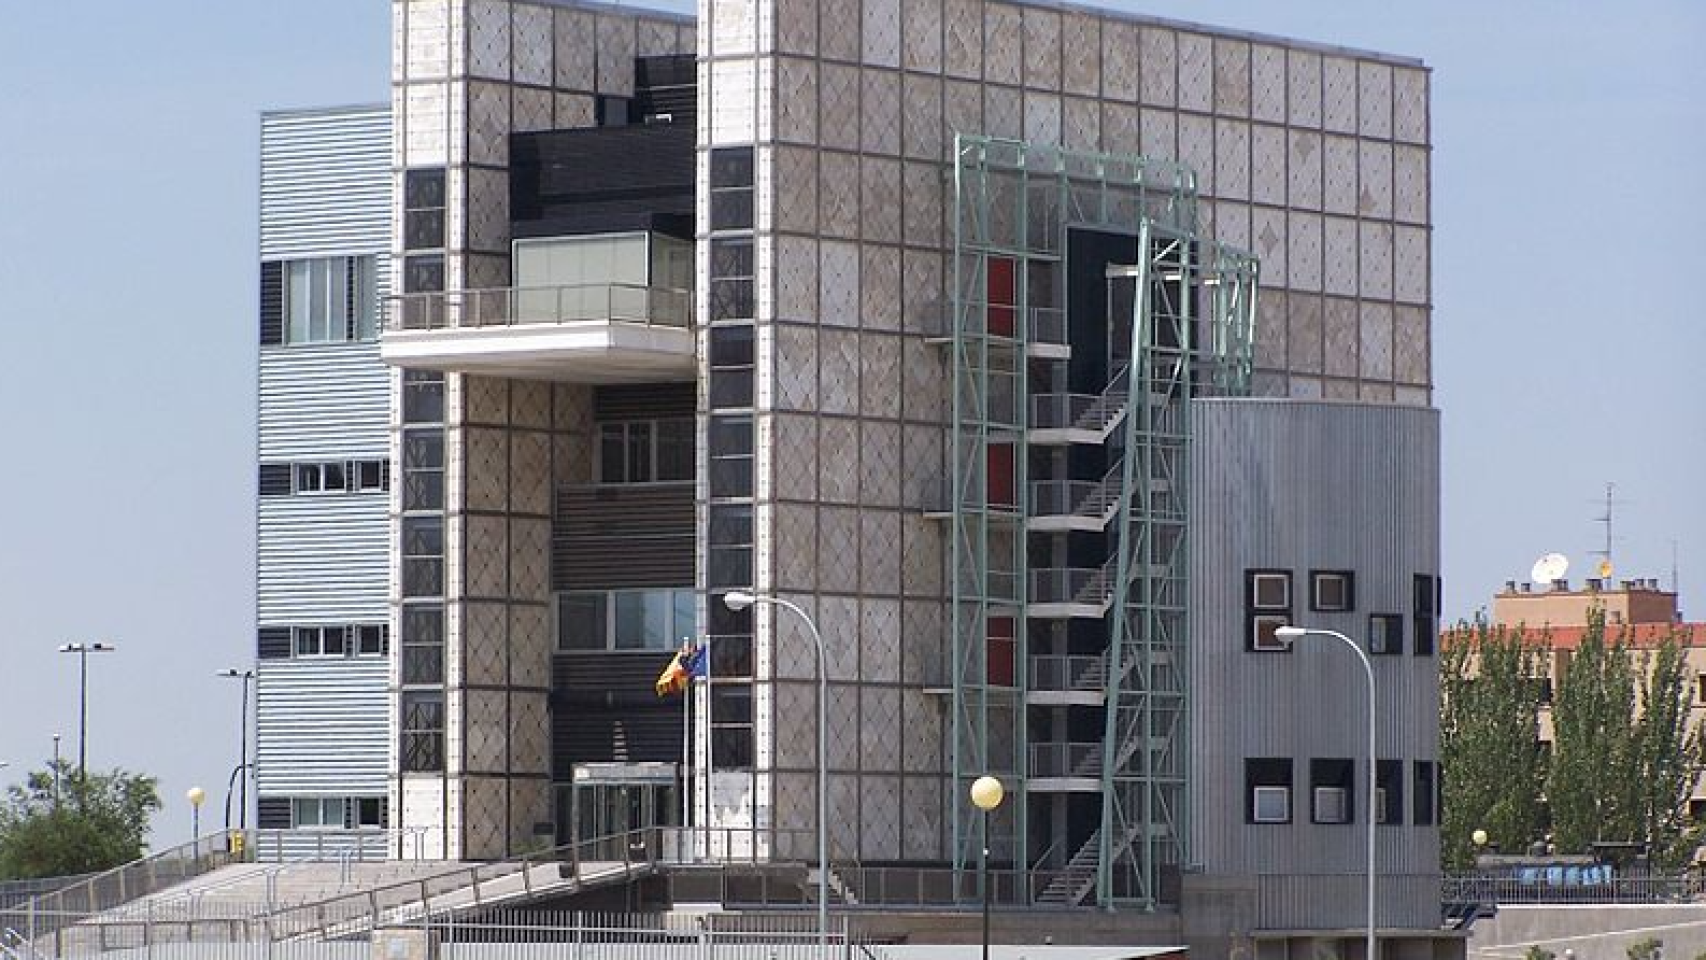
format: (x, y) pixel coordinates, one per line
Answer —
(1078, 880)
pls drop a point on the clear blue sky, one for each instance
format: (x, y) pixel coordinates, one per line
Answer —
(1569, 202)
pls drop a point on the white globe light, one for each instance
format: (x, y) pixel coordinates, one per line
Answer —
(1480, 838)
(986, 793)
(195, 795)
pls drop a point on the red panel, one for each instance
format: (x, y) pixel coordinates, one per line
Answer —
(1000, 649)
(999, 463)
(1000, 296)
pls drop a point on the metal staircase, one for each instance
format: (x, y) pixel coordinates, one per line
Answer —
(1078, 880)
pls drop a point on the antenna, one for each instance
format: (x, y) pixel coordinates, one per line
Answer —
(1673, 587)
(1605, 565)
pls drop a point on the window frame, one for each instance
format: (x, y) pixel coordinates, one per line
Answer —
(1317, 578)
(1262, 778)
(1261, 615)
(678, 600)
(1330, 776)
(1392, 632)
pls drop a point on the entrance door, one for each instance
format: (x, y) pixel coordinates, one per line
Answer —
(606, 803)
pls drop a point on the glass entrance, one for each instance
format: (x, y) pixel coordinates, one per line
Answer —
(606, 799)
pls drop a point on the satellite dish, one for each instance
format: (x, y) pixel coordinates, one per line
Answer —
(1551, 567)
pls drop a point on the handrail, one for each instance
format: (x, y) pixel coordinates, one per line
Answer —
(553, 304)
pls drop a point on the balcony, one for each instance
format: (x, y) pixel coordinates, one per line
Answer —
(1059, 680)
(586, 333)
(1065, 767)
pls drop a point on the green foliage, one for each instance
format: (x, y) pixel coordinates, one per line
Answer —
(1492, 765)
(1651, 948)
(92, 824)
(1593, 752)
(1625, 757)
(1538, 952)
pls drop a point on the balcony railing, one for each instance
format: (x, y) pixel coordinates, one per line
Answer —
(1087, 585)
(519, 306)
(1070, 672)
(1066, 760)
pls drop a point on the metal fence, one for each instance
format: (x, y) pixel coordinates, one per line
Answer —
(1564, 885)
(497, 933)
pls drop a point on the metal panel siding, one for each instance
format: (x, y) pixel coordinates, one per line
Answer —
(325, 183)
(326, 402)
(322, 727)
(323, 559)
(1301, 486)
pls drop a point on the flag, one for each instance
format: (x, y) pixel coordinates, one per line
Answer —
(699, 662)
(689, 662)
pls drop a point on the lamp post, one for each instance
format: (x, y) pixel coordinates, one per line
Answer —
(738, 600)
(82, 650)
(243, 751)
(56, 771)
(1290, 635)
(195, 795)
(986, 795)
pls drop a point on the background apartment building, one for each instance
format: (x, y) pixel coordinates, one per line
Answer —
(875, 308)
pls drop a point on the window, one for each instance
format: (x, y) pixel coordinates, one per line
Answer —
(330, 300)
(1425, 612)
(1332, 790)
(422, 627)
(317, 812)
(423, 396)
(319, 641)
(1267, 790)
(731, 366)
(626, 619)
(1332, 591)
(1389, 792)
(731, 456)
(1267, 600)
(339, 476)
(731, 188)
(422, 748)
(361, 639)
(423, 469)
(646, 451)
(1385, 633)
(423, 556)
(999, 652)
(369, 811)
(730, 546)
(423, 209)
(1426, 794)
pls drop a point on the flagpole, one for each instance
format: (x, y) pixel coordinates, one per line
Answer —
(686, 769)
(709, 766)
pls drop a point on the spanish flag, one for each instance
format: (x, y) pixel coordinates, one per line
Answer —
(674, 677)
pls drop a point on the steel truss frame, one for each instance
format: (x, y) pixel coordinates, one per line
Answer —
(1016, 200)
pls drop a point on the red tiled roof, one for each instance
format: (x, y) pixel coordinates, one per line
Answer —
(1642, 636)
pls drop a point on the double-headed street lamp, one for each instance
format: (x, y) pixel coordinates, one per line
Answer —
(243, 751)
(738, 600)
(1290, 635)
(82, 650)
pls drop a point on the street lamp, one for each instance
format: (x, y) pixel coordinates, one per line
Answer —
(82, 650)
(195, 795)
(1290, 635)
(986, 794)
(243, 751)
(738, 600)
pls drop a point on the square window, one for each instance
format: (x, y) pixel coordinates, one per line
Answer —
(370, 811)
(369, 474)
(1389, 792)
(1332, 788)
(1267, 790)
(370, 639)
(1332, 591)
(583, 621)
(1270, 589)
(1385, 633)
(1426, 787)
(1264, 633)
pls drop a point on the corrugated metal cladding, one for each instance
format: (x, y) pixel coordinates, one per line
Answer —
(1300, 486)
(324, 402)
(323, 559)
(325, 182)
(615, 536)
(328, 727)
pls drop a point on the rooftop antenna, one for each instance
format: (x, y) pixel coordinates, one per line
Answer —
(1673, 581)
(1604, 555)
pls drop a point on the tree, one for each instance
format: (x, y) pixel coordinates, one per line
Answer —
(93, 823)
(1593, 754)
(1492, 765)
(1669, 755)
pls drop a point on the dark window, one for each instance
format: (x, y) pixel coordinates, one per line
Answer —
(423, 469)
(422, 747)
(730, 547)
(731, 704)
(1425, 793)
(368, 475)
(272, 813)
(423, 212)
(646, 451)
(370, 812)
(423, 273)
(731, 366)
(731, 656)
(1389, 791)
(731, 188)
(731, 279)
(1385, 633)
(1267, 607)
(1425, 613)
(730, 457)
(423, 556)
(370, 639)
(1267, 790)
(1332, 591)
(423, 397)
(422, 627)
(272, 303)
(732, 747)
(731, 167)
(1332, 790)
(272, 643)
(274, 479)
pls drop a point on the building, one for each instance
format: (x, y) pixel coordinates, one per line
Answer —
(938, 318)
(1554, 616)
